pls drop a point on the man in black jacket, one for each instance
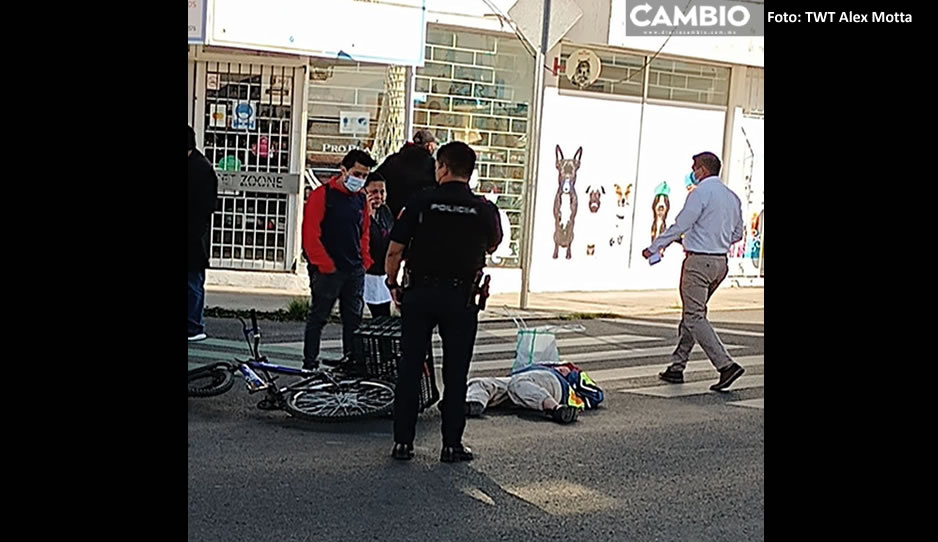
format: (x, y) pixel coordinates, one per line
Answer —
(409, 170)
(203, 191)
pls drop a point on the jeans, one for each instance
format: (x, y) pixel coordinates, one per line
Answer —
(196, 302)
(345, 286)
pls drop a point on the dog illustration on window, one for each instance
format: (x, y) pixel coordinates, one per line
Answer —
(622, 196)
(565, 201)
(660, 206)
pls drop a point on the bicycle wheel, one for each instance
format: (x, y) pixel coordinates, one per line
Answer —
(209, 381)
(349, 398)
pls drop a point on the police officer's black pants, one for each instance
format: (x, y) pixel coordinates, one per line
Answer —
(423, 309)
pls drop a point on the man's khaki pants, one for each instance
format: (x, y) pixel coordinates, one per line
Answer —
(701, 275)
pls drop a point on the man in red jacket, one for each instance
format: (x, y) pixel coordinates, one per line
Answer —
(335, 241)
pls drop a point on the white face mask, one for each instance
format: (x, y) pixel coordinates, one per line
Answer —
(354, 184)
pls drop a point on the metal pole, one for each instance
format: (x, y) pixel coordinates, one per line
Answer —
(534, 147)
(638, 157)
(408, 106)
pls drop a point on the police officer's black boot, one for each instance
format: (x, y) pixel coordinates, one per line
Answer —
(452, 454)
(402, 451)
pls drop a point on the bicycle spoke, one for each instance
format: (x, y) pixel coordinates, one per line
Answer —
(342, 398)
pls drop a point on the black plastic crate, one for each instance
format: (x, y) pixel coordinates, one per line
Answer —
(376, 349)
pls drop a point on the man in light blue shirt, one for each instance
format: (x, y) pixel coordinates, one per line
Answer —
(710, 222)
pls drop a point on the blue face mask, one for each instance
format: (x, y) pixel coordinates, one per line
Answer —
(354, 184)
(690, 180)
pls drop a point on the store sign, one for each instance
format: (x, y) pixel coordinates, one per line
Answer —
(218, 115)
(245, 116)
(197, 21)
(276, 89)
(583, 68)
(229, 163)
(256, 181)
(339, 149)
(354, 122)
(264, 148)
(308, 28)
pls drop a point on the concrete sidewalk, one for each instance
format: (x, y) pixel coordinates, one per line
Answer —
(540, 305)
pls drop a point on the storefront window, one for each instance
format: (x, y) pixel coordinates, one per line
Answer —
(678, 81)
(349, 108)
(476, 88)
(672, 80)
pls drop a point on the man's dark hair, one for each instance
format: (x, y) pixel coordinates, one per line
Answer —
(359, 156)
(191, 139)
(374, 177)
(709, 161)
(458, 157)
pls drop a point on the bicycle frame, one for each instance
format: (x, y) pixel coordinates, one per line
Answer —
(316, 394)
(258, 362)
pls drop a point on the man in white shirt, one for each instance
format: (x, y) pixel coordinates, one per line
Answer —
(710, 221)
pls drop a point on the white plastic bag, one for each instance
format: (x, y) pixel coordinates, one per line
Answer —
(537, 345)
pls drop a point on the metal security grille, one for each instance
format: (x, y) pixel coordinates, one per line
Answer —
(248, 111)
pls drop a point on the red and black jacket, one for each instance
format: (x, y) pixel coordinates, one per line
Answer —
(336, 226)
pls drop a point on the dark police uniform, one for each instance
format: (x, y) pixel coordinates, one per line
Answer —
(446, 232)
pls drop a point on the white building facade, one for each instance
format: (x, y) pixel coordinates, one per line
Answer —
(279, 91)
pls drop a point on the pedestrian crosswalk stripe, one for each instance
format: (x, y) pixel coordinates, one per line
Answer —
(696, 388)
(335, 345)
(751, 403)
(606, 340)
(603, 376)
(604, 355)
(600, 352)
(674, 325)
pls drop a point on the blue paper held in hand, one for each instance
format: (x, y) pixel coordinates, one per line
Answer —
(654, 258)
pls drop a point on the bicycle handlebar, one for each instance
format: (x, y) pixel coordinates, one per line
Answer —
(257, 333)
(253, 331)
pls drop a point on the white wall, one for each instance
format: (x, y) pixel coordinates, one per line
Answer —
(504, 280)
(593, 26)
(311, 28)
(671, 136)
(608, 131)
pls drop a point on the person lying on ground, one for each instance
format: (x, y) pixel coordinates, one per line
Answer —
(561, 390)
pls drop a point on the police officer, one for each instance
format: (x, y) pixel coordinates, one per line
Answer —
(446, 232)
